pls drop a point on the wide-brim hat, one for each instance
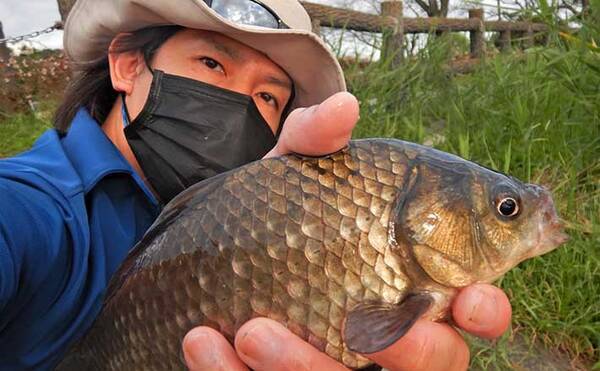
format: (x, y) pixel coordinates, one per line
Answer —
(315, 71)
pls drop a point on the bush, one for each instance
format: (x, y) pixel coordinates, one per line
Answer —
(29, 79)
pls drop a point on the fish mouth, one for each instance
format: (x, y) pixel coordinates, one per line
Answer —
(550, 231)
(549, 238)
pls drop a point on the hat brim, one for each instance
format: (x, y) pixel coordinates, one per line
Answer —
(315, 71)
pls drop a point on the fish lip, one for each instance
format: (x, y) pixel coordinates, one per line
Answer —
(550, 232)
(555, 225)
(550, 243)
(550, 235)
(561, 236)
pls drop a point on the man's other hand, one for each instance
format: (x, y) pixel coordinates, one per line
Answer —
(263, 344)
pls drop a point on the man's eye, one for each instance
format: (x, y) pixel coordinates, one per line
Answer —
(268, 98)
(212, 64)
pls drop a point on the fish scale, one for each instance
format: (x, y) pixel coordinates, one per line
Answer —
(304, 241)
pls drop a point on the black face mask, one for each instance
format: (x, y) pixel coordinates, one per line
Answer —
(189, 131)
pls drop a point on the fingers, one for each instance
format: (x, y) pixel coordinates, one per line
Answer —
(427, 346)
(206, 349)
(483, 310)
(320, 129)
(264, 344)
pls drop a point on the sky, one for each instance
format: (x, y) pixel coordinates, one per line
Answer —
(19, 17)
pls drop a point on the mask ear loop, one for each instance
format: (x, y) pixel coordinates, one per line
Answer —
(286, 112)
(148, 54)
(124, 112)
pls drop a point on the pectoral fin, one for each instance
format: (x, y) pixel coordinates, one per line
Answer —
(372, 327)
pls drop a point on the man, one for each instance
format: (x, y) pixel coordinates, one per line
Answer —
(171, 92)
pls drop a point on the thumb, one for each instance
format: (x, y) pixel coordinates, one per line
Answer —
(319, 129)
(482, 310)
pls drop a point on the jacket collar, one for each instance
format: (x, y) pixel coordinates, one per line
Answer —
(94, 156)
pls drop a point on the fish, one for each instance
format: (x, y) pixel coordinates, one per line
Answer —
(346, 250)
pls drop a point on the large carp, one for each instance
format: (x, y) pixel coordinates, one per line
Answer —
(347, 251)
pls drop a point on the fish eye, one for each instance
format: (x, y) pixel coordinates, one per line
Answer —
(508, 206)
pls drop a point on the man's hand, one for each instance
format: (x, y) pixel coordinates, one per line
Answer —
(263, 344)
(320, 129)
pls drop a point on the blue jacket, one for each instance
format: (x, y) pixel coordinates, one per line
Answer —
(70, 210)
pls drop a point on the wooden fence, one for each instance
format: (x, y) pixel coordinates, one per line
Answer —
(394, 26)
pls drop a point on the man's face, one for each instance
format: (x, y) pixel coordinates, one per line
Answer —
(218, 60)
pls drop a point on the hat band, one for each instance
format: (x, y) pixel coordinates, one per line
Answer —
(247, 12)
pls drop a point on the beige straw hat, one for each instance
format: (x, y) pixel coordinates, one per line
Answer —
(92, 24)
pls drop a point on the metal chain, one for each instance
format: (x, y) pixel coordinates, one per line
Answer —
(16, 39)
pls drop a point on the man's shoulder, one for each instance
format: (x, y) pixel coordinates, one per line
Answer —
(45, 166)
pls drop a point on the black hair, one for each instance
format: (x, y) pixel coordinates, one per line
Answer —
(91, 86)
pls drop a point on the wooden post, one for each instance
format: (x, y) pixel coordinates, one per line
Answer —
(4, 51)
(316, 26)
(393, 39)
(505, 41)
(529, 38)
(585, 5)
(477, 36)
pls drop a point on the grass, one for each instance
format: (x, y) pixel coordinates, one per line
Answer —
(19, 131)
(536, 117)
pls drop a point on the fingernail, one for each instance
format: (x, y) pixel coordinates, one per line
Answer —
(482, 306)
(260, 342)
(199, 353)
